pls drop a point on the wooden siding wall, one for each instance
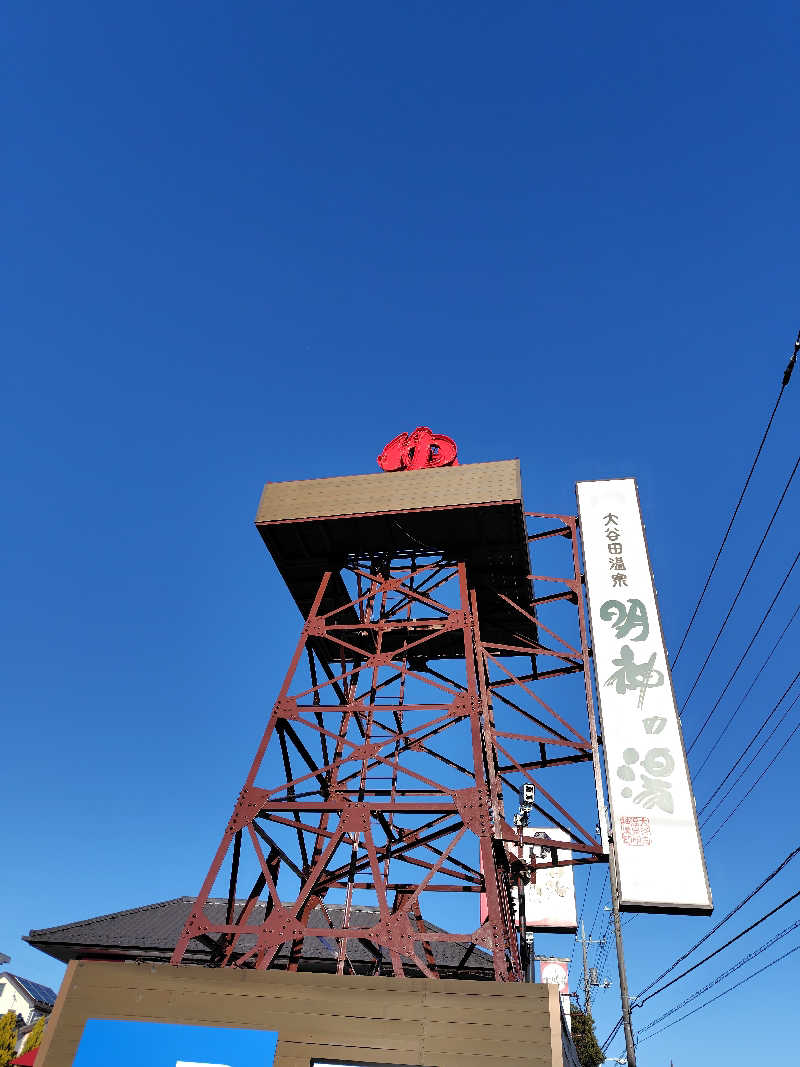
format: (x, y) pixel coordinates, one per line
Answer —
(348, 1019)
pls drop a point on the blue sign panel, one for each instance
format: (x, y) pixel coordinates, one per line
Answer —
(107, 1042)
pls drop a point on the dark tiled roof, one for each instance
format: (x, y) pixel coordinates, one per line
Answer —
(39, 994)
(150, 933)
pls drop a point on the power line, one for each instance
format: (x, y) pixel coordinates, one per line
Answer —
(786, 376)
(764, 743)
(747, 693)
(755, 783)
(730, 989)
(585, 892)
(743, 583)
(764, 618)
(637, 1002)
(580, 914)
(725, 974)
(773, 874)
(604, 953)
(722, 948)
(597, 910)
(731, 913)
(747, 748)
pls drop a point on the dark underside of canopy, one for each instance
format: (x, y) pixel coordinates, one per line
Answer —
(471, 514)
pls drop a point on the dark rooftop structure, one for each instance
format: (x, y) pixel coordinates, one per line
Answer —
(150, 933)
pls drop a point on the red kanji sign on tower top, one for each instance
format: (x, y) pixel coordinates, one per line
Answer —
(422, 448)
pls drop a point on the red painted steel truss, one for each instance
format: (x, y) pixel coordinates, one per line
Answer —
(380, 777)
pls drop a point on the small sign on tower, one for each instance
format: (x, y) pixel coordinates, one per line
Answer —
(417, 450)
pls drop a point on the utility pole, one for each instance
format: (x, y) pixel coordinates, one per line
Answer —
(588, 979)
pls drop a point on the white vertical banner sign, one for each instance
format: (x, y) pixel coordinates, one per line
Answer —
(660, 863)
(556, 972)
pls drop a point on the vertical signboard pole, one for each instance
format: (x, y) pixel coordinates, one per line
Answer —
(630, 1049)
(525, 953)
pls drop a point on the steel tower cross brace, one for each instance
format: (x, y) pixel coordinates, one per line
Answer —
(383, 764)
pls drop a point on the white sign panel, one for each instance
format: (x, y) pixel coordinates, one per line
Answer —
(550, 903)
(660, 864)
(556, 972)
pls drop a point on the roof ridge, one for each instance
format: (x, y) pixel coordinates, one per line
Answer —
(110, 915)
(26, 985)
(137, 934)
(369, 909)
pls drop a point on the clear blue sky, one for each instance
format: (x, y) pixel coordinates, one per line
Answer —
(252, 242)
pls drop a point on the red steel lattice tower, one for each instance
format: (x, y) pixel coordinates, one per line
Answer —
(402, 720)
